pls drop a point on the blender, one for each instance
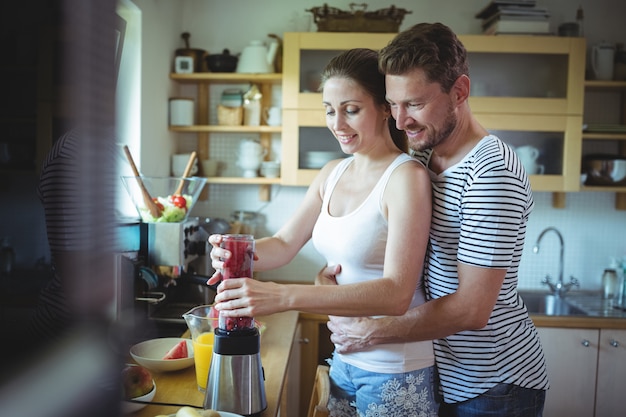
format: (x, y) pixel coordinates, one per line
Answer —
(236, 381)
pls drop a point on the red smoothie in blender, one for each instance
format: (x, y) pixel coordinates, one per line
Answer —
(239, 265)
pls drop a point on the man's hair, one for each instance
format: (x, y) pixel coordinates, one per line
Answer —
(432, 47)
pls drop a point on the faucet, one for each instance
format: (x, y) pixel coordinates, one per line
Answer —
(558, 288)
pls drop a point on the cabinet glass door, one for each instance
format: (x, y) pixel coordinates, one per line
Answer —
(555, 137)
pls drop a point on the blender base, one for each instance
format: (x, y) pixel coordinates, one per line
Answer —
(236, 382)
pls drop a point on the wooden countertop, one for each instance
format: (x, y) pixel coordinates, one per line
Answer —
(180, 387)
(579, 322)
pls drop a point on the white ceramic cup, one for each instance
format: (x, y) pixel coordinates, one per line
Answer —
(270, 169)
(273, 116)
(181, 112)
(210, 167)
(528, 155)
(179, 163)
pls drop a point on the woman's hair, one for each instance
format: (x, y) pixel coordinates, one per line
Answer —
(432, 47)
(361, 66)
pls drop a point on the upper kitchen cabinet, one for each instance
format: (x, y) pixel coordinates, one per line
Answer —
(527, 89)
(305, 56)
(207, 128)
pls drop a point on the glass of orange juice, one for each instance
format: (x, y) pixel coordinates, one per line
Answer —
(203, 352)
(201, 321)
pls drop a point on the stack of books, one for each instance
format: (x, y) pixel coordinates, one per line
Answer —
(514, 17)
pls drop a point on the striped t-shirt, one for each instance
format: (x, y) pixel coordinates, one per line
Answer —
(77, 191)
(480, 211)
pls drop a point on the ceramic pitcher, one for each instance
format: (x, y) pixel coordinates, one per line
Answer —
(602, 60)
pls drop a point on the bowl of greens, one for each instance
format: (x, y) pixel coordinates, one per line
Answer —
(173, 197)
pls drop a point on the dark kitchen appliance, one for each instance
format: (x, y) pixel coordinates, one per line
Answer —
(236, 381)
(173, 279)
(198, 55)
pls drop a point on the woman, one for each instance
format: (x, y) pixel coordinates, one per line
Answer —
(369, 215)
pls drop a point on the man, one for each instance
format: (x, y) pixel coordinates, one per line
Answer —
(487, 350)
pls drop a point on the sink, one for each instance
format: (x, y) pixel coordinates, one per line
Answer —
(549, 305)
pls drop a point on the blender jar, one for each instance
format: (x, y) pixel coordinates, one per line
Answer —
(239, 265)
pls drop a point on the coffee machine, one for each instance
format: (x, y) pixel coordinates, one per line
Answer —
(175, 271)
(171, 247)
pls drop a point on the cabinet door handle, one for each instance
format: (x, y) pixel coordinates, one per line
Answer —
(585, 343)
(304, 341)
(614, 343)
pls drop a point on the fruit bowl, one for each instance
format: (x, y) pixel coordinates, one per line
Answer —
(136, 378)
(130, 407)
(149, 354)
(166, 192)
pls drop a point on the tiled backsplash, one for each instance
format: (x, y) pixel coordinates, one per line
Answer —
(592, 229)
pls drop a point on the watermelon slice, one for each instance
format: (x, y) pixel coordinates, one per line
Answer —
(179, 351)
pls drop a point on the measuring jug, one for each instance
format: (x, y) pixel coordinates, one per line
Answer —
(201, 321)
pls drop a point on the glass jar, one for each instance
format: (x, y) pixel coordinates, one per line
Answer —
(244, 222)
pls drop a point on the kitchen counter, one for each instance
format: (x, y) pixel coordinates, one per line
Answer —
(180, 387)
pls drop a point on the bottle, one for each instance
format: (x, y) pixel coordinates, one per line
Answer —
(610, 282)
(580, 16)
(252, 106)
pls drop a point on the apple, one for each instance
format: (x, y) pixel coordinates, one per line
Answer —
(137, 381)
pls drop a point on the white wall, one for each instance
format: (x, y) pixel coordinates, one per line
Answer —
(592, 228)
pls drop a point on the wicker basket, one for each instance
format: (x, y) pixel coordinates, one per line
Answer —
(331, 19)
(229, 116)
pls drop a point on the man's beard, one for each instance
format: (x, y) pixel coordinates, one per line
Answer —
(437, 137)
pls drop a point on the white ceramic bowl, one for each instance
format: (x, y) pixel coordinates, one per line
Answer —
(149, 354)
(130, 407)
(270, 169)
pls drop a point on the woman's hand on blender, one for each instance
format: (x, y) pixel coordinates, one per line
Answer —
(218, 255)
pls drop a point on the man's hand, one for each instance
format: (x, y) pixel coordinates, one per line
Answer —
(350, 334)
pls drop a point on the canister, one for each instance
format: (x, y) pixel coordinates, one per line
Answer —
(244, 222)
(181, 111)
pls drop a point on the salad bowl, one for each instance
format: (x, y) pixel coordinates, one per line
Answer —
(175, 197)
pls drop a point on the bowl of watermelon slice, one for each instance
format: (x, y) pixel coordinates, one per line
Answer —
(164, 354)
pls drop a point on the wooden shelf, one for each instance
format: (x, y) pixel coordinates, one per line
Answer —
(605, 188)
(226, 77)
(241, 180)
(226, 129)
(604, 85)
(603, 136)
(203, 129)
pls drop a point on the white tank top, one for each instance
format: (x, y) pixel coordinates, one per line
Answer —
(357, 241)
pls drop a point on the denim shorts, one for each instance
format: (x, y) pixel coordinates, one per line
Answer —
(503, 400)
(355, 392)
